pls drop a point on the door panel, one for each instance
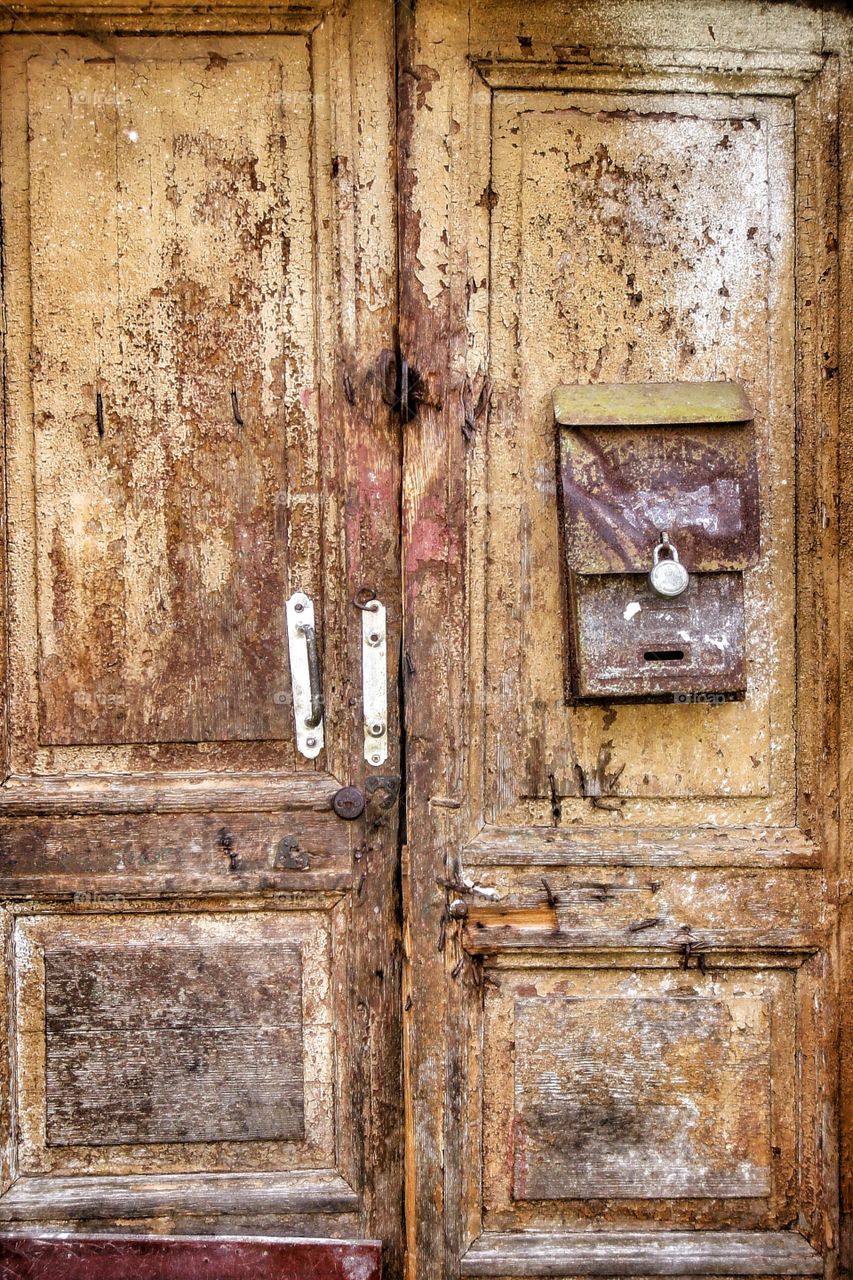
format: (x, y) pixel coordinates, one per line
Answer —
(631, 241)
(626, 903)
(201, 956)
(175, 430)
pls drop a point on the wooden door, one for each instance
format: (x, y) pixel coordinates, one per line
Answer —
(621, 983)
(201, 1024)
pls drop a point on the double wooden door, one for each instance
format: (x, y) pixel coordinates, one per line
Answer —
(287, 292)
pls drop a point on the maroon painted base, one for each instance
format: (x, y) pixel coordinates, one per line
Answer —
(72, 1257)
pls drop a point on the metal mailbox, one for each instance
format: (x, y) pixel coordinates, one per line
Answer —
(659, 502)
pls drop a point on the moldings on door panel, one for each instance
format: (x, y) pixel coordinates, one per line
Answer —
(654, 1253)
(173, 1044)
(166, 18)
(619, 1089)
(315, 1191)
(650, 1097)
(181, 1043)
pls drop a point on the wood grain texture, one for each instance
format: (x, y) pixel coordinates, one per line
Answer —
(178, 1044)
(642, 846)
(684, 911)
(224, 1195)
(649, 1098)
(166, 792)
(152, 855)
(842, 706)
(105, 1257)
(648, 1253)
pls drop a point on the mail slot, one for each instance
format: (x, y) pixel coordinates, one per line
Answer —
(659, 501)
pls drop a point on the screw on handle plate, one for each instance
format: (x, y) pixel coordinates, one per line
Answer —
(668, 576)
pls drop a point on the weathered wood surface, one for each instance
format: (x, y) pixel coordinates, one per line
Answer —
(650, 1098)
(618, 194)
(642, 846)
(686, 911)
(602, 1068)
(173, 1044)
(647, 1253)
(199, 430)
(211, 1196)
(156, 792)
(149, 1258)
(102, 1076)
(152, 855)
(176, 444)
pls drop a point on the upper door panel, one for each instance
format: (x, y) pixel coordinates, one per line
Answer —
(190, 366)
(175, 415)
(633, 238)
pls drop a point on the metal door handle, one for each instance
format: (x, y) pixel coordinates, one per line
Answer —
(314, 683)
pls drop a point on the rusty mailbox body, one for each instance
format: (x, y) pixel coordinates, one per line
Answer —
(640, 463)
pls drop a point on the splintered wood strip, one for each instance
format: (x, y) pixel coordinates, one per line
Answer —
(706, 908)
(642, 1253)
(155, 854)
(166, 793)
(643, 846)
(156, 1258)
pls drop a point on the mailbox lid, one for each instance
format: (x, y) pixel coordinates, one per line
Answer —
(645, 404)
(637, 464)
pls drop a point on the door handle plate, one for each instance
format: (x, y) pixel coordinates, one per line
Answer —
(305, 675)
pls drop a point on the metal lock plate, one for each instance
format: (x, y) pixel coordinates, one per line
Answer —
(374, 681)
(305, 675)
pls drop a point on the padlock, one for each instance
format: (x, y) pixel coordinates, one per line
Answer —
(668, 576)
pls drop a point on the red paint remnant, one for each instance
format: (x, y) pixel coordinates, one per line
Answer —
(433, 541)
(157, 1258)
